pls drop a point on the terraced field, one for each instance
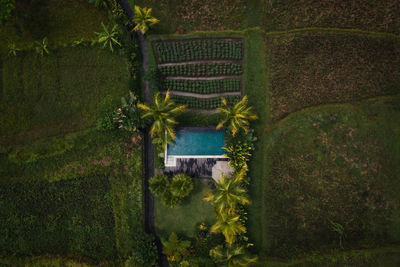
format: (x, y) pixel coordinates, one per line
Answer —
(199, 71)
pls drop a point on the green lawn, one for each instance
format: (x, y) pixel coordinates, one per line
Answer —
(62, 23)
(65, 91)
(184, 218)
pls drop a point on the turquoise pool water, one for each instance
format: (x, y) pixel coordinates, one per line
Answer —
(201, 142)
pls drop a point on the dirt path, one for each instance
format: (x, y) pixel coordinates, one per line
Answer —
(227, 77)
(204, 96)
(200, 62)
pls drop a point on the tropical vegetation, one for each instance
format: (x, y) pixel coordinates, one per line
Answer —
(143, 19)
(231, 255)
(109, 38)
(237, 116)
(163, 113)
(176, 250)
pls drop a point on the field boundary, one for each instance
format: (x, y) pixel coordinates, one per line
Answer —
(336, 30)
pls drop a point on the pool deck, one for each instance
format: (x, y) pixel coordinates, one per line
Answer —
(194, 167)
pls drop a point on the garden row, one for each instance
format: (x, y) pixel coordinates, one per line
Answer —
(203, 87)
(195, 103)
(202, 69)
(204, 49)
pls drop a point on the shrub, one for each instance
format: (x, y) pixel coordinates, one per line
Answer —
(181, 185)
(176, 250)
(129, 115)
(144, 250)
(239, 147)
(159, 184)
(6, 9)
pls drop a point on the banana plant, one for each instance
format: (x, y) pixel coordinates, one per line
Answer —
(108, 38)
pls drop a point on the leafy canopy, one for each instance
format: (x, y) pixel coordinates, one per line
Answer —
(231, 255)
(108, 38)
(237, 115)
(143, 19)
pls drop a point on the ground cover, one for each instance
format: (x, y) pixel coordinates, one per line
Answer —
(378, 16)
(61, 92)
(61, 22)
(184, 219)
(194, 15)
(70, 216)
(313, 68)
(330, 179)
(52, 163)
(208, 66)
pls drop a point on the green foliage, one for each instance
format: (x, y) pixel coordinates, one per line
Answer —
(109, 38)
(99, 3)
(6, 9)
(181, 185)
(42, 216)
(163, 113)
(129, 116)
(238, 115)
(171, 191)
(176, 250)
(107, 123)
(203, 87)
(12, 49)
(202, 69)
(51, 94)
(145, 250)
(230, 225)
(159, 184)
(231, 255)
(41, 47)
(143, 19)
(208, 103)
(239, 148)
(204, 49)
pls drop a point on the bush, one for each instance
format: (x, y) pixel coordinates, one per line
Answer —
(181, 185)
(129, 116)
(6, 9)
(159, 184)
(144, 250)
(239, 147)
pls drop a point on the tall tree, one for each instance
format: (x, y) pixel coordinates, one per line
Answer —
(143, 19)
(231, 256)
(163, 113)
(228, 193)
(229, 225)
(237, 115)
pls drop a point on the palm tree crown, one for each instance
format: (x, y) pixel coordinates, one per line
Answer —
(231, 255)
(237, 115)
(229, 225)
(143, 19)
(228, 193)
(163, 113)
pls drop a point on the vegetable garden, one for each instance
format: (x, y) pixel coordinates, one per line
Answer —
(200, 66)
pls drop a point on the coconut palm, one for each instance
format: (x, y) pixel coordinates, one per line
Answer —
(181, 185)
(108, 38)
(231, 255)
(228, 193)
(237, 115)
(143, 19)
(229, 225)
(163, 113)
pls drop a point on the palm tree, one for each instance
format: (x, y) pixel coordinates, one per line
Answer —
(181, 185)
(109, 38)
(143, 19)
(231, 255)
(237, 115)
(163, 113)
(228, 193)
(229, 225)
(175, 249)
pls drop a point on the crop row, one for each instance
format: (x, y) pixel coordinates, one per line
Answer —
(205, 49)
(196, 103)
(203, 87)
(202, 69)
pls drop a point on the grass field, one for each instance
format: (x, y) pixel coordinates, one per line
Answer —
(379, 16)
(65, 91)
(107, 163)
(62, 23)
(195, 15)
(314, 68)
(70, 216)
(184, 219)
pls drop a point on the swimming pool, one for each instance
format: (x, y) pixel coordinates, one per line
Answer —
(195, 142)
